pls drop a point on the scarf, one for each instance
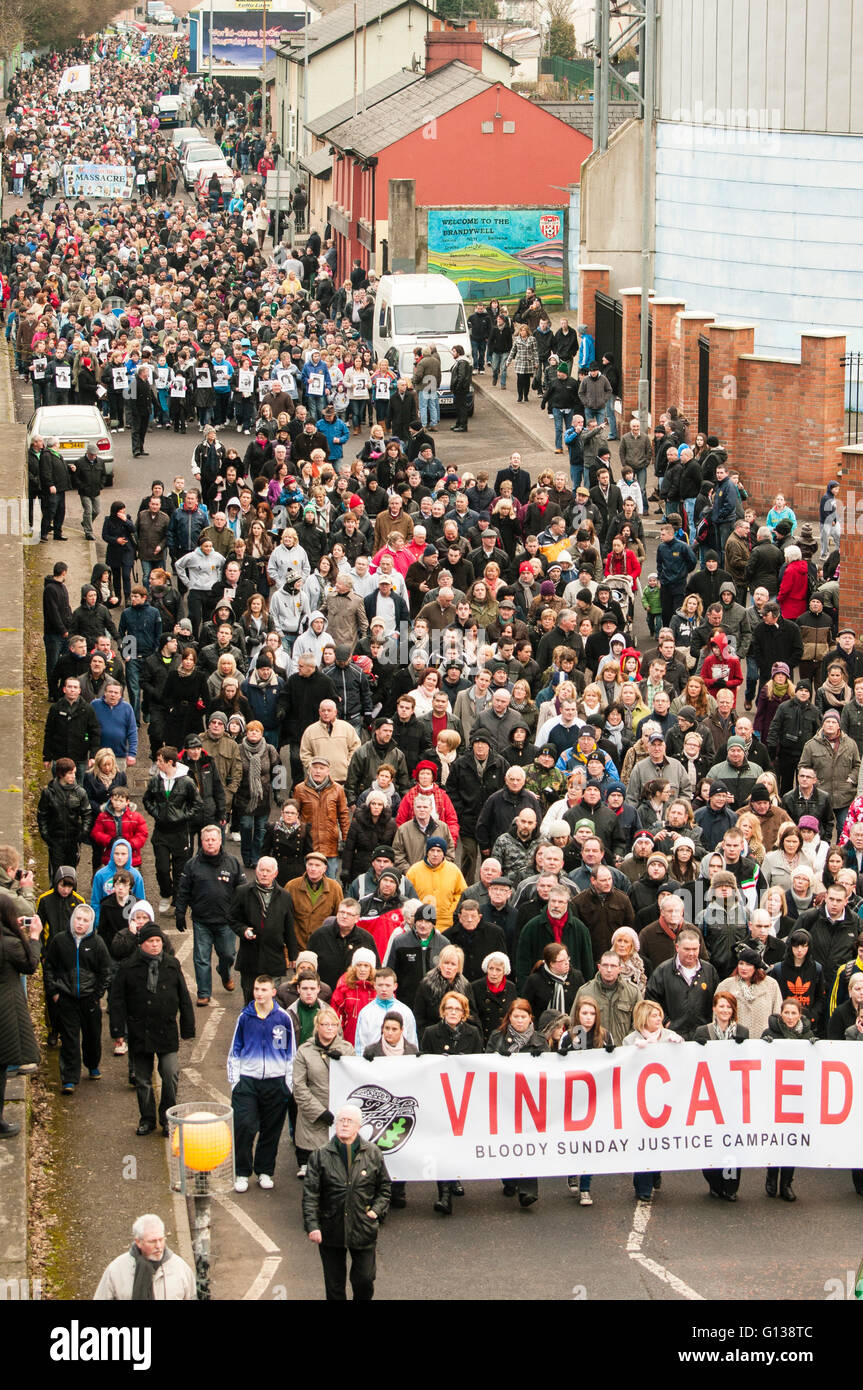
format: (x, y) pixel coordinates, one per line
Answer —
(495, 989)
(722, 1034)
(556, 1002)
(142, 1284)
(557, 925)
(517, 1042)
(393, 1049)
(152, 971)
(255, 752)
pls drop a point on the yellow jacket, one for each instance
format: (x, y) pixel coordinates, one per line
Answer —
(445, 884)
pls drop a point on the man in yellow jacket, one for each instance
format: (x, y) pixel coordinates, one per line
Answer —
(438, 878)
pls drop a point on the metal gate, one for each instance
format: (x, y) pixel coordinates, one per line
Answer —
(703, 383)
(853, 364)
(609, 330)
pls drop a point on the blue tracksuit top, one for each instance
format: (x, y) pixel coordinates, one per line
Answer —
(263, 1048)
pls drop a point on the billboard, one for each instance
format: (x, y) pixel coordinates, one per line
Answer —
(498, 253)
(238, 35)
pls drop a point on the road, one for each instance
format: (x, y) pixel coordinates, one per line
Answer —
(686, 1247)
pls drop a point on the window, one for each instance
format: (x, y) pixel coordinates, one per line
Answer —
(429, 319)
(509, 127)
(487, 127)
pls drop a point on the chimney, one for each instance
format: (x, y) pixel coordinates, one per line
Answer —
(446, 42)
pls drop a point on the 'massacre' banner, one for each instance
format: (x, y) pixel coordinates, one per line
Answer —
(745, 1105)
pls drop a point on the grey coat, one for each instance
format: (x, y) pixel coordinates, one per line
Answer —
(311, 1087)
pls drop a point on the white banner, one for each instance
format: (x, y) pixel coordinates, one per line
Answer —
(75, 79)
(98, 180)
(671, 1106)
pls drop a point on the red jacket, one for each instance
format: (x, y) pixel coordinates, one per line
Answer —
(721, 668)
(133, 828)
(347, 1001)
(443, 807)
(793, 596)
(628, 563)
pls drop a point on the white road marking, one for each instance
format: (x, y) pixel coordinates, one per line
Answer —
(634, 1242)
(207, 1037)
(251, 1227)
(267, 1270)
(197, 1080)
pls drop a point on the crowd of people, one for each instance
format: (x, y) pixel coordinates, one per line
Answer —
(476, 806)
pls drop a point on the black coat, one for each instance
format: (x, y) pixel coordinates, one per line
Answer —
(17, 1040)
(64, 815)
(174, 813)
(468, 791)
(288, 845)
(335, 952)
(303, 695)
(76, 971)
(685, 1006)
(476, 944)
(205, 776)
(441, 1041)
(150, 1021)
(207, 887)
(71, 731)
(274, 943)
(335, 1201)
(539, 990)
(491, 1007)
(362, 839)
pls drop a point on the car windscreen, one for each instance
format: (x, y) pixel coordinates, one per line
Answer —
(424, 320)
(70, 426)
(198, 153)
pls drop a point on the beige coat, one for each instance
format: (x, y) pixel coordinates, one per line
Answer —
(311, 1087)
(346, 618)
(338, 742)
(173, 1282)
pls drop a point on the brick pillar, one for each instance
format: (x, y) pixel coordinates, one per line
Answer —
(822, 418)
(590, 279)
(692, 326)
(850, 474)
(727, 342)
(664, 367)
(630, 353)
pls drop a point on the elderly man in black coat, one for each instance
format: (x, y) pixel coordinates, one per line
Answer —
(148, 996)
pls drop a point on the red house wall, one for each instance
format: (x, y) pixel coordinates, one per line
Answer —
(455, 164)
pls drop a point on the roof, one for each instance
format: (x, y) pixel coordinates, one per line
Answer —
(339, 23)
(319, 164)
(410, 109)
(345, 111)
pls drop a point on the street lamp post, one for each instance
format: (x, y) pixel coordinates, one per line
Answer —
(201, 1147)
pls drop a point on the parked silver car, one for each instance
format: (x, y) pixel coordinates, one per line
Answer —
(75, 426)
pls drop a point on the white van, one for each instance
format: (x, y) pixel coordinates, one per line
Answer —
(412, 311)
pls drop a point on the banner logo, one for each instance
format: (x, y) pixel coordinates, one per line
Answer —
(392, 1118)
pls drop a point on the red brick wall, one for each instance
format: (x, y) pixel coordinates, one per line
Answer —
(631, 352)
(590, 279)
(665, 361)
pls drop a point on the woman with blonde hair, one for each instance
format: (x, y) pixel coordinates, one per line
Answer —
(625, 945)
(446, 748)
(648, 1029)
(447, 974)
(753, 840)
(99, 783)
(311, 1083)
(355, 989)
